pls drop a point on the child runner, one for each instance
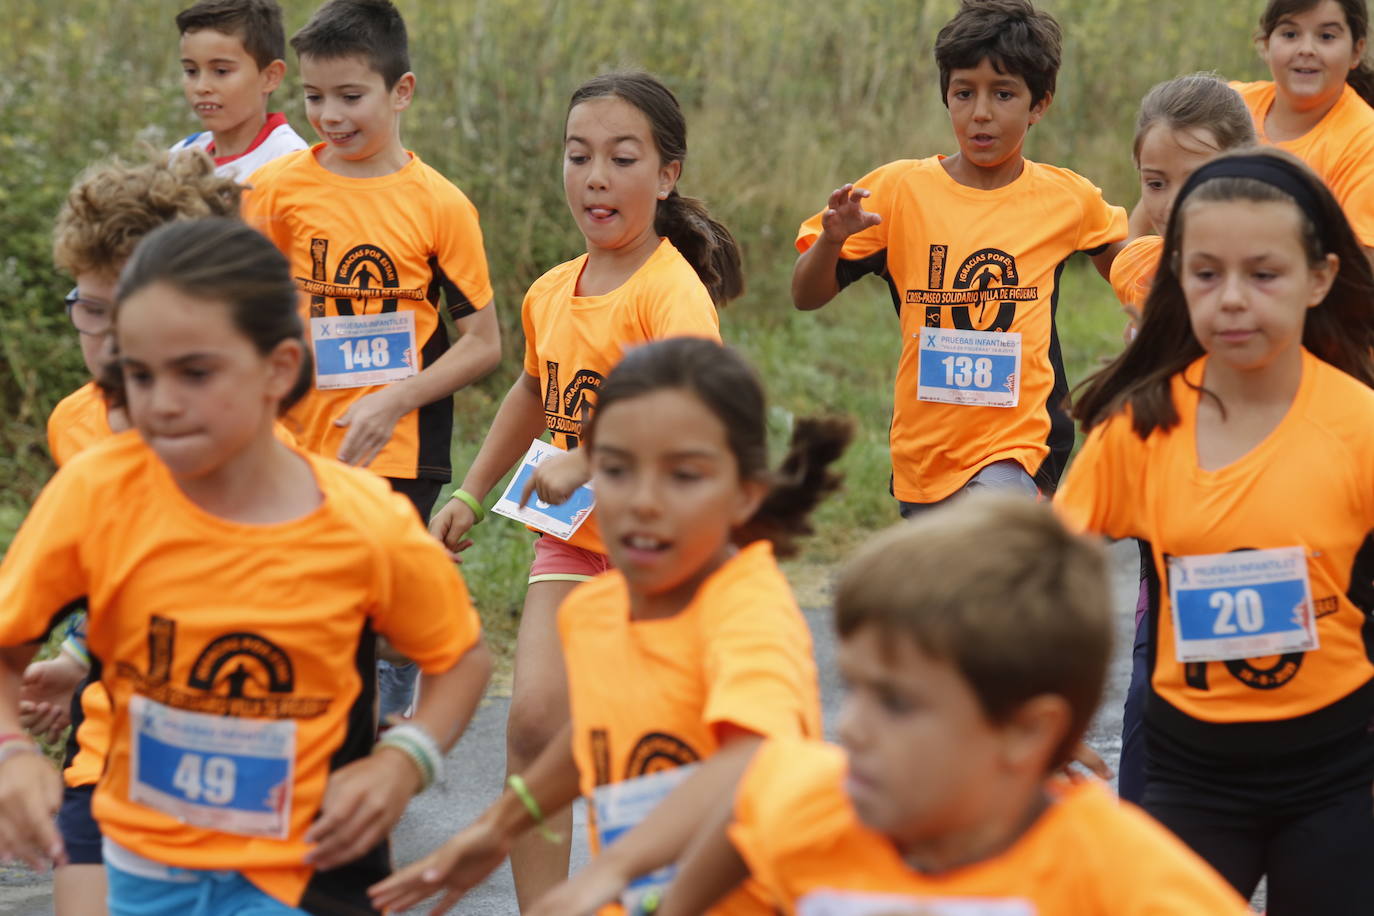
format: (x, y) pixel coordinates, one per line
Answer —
(656, 266)
(374, 236)
(1317, 106)
(1182, 124)
(234, 586)
(972, 247)
(232, 60)
(108, 210)
(971, 676)
(1231, 436)
(691, 650)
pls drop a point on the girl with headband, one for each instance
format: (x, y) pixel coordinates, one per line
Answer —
(1233, 437)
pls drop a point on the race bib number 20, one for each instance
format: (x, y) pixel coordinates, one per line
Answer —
(975, 368)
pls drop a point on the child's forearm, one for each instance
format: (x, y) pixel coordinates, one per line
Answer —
(663, 836)
(813, 278)
(551, 781)
(519, 421)
(13, 661)
(448, 700)
(476, 353)
(709, 869)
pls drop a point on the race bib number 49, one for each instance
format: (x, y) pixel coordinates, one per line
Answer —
(619, 807)
(850, 903)
(352, 351)
(976, 368)
(1244, 604)
(218, 772)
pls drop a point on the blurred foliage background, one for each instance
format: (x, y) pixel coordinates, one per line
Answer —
(784, 101)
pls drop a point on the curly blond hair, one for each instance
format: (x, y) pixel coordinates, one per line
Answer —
(115, 203)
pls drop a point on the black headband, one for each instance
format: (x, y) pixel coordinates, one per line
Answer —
(1293, 180)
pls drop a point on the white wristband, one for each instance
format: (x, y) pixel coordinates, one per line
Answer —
(417, 744)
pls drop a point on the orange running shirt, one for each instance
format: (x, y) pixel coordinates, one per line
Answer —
(373, 247)
(573, 342)
(961, 258)
(1340, 149)
(1133, 270)
(739, 654)
(200, 625)
(1086, 855)
(77, 421)
(1307, 485)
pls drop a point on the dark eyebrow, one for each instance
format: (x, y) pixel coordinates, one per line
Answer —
(179, 362)
(630, 137)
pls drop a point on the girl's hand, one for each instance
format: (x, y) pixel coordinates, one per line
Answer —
(370, 420)
(30, 794)
(1085, 756)
(556, 478)
(362, 802)
(450, 524)
(458, 866)
(45, 695)
(845, 215)
(583, 893)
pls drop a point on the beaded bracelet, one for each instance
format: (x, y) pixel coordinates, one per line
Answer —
(472, 502)
(522, 792)
(13, 744)
(417, 744)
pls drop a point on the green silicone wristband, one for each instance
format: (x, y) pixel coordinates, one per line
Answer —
(522, 792)
(467, 499)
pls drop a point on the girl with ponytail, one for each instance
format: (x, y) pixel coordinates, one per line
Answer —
(688, 654)
(656, 265)
(1318, 105)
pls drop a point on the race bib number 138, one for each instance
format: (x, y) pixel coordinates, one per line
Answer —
(975, 368)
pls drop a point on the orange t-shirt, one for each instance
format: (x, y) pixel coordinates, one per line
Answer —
(80, 419)
(1340, 149)
(1308, 484)
(229, 642)
(966, 259)
(373, 247)
(573, 342)
(1086, 855)
(1134, 268)
(739, 654)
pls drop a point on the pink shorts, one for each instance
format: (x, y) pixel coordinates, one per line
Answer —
(558, 561)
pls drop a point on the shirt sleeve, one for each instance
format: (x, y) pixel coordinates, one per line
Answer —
(1133, 270)
(759, 670)
(683, 311)
(258, 208)
(1101, 489)
(43, 575)
(863, 246)
(1102, 224)
(532, 366)
(423, 606)
(1353, 186)
(461, 268)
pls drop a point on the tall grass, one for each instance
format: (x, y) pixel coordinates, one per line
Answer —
(785, 101)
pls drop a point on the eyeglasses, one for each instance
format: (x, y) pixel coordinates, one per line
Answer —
(89, 316)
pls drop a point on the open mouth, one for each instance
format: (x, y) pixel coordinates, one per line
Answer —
(341, 138)
(207, 107)
(601, 214)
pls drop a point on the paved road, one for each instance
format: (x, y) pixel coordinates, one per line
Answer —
(476, 765)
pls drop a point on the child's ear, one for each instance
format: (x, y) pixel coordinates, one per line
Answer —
(1035, 731)
(272, 75)
(668, 175)
(1038, 110)
(752, 494)
(403, 93)
(1323, 277)
(284, 367)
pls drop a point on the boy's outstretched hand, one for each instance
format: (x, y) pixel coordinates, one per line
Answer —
(844, 214)
(582, 894)
(457, 866)
(45, 695)
(30, 794)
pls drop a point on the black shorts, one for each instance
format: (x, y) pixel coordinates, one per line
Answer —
(421, 492)
(80, 833)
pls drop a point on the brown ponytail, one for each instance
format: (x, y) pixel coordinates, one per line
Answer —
(706, 244)
(720, 378)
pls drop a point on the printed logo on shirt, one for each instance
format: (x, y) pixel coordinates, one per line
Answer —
(366, 274)
(239, 674)
(656, 752)
(566, 408)
(986, 278)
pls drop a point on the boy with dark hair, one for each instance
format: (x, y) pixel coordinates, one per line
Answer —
(972, 247)
(972, 676)
(232, 59)
(374, 236)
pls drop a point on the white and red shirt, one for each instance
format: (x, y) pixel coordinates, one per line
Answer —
(276, 138)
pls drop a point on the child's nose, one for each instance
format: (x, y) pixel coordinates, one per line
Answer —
(598, 174)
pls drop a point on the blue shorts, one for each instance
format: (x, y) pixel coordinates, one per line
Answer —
(80, 833)
(188, 892)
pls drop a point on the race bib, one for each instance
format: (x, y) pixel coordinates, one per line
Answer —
(1241, 605)
(218, 772)
(842, 903)
(620, 807)
(561, 520)
(352, 351)
(977, 368)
